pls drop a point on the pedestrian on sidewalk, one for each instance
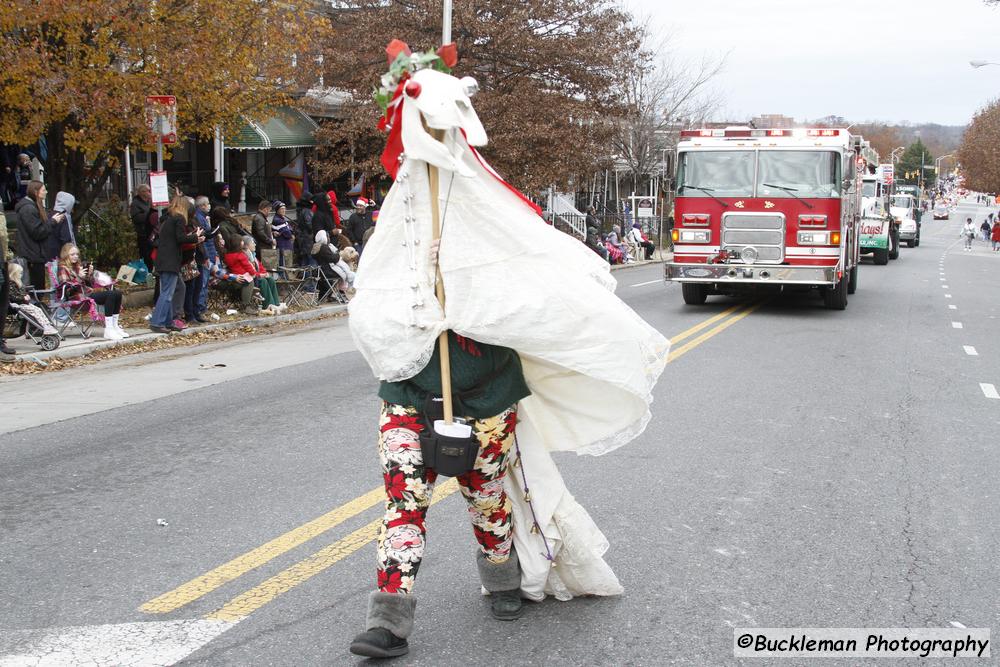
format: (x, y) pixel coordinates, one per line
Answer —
(168, 262)
(6, 353)
(64, 231)
(995, 235)
(220, 196)
(206, 253)
(969, 233)
(985, 228)
(322, 219)
(34, 228)
(191, 271)
(263, 235)
(359, 223)
(142, 215)
(284, 235)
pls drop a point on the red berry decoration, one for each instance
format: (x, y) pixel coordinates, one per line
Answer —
(412, 89)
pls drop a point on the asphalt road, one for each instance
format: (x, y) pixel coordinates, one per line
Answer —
(805, 468)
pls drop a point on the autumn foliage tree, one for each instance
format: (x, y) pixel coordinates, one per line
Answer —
(978, 153)
(547, 71)
(77, 73)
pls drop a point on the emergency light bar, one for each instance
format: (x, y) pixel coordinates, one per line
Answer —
(750, 133)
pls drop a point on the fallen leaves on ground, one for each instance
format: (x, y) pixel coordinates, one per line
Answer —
(193, 337)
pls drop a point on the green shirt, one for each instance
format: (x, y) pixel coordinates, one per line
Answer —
(471, 363)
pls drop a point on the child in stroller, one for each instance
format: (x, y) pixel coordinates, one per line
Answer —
(32, 320)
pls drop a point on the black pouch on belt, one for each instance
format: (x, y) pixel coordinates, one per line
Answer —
(444, 454)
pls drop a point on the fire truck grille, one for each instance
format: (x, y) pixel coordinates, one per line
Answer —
(765, 233)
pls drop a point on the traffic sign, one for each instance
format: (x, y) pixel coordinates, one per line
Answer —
(161, 118)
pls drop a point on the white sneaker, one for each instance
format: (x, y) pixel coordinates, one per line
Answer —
(111, 333)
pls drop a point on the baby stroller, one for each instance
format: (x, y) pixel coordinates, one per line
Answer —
(26, 317)
(33, 323)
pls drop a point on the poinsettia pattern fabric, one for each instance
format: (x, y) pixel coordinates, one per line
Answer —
(409, 487)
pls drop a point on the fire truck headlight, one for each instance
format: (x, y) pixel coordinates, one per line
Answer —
(695, 236)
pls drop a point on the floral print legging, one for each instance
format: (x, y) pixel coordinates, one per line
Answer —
(408, 488)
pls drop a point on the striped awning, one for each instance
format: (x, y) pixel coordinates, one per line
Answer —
(287, 128)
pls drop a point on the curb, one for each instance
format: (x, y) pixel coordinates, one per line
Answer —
(635, 265)
(84, 349)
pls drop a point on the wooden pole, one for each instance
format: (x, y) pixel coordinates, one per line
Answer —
(434, 180)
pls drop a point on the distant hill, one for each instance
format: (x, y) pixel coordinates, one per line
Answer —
(939, 139)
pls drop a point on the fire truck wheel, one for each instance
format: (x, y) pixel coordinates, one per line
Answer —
(910, 244)
(894, 245)
(694, 294)
(881, 256)
(852, 283)
(835, 298)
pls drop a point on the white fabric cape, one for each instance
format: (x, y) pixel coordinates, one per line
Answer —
(512, 280)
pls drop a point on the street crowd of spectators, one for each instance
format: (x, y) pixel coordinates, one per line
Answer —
(192, 246)
(613, 247)
(199, 244)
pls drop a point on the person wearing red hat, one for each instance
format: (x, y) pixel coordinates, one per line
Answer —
(359, 223)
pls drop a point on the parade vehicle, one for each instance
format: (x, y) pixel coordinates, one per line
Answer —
(941, 211)
(759, 208)
(878, 232)
(903, 209)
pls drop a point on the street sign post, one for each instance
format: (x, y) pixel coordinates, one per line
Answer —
(161, 119)
(159, 190)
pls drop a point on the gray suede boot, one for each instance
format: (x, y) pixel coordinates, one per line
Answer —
(503, 582)
(389, 623)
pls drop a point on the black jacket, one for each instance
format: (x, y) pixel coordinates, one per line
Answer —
(357, 225)
(32, 232)
(172, 236)
(304, 235)
(325, 254)
(139, 212)
(323, 216)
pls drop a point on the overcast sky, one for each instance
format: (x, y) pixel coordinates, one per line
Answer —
(894, 60)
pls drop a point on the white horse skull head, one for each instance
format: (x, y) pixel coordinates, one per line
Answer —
(442, 102)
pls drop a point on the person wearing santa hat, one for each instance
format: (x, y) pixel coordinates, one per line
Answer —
(359, 223)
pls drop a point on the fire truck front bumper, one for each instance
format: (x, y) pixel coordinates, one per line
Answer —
(757, 274)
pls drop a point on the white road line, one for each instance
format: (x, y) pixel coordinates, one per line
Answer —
(989, 390)
(971, 351)
(952, 306)
(650, 282)
(944, 286)
(956, 325)
(947, 296)
(941, 279)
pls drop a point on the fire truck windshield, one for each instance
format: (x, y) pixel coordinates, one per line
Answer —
(868, 189)
(718, 173)
(812, 174)
(902, 202)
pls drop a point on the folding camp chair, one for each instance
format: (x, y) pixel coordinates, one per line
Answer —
(297, 282)
(67, 312)
(327, 288)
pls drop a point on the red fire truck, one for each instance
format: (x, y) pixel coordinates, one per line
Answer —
(775, 207)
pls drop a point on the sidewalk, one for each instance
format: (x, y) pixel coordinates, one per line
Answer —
(74, 345)
(659, 256)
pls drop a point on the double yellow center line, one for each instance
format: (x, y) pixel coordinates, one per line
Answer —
(246, 603)
(728, 318)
